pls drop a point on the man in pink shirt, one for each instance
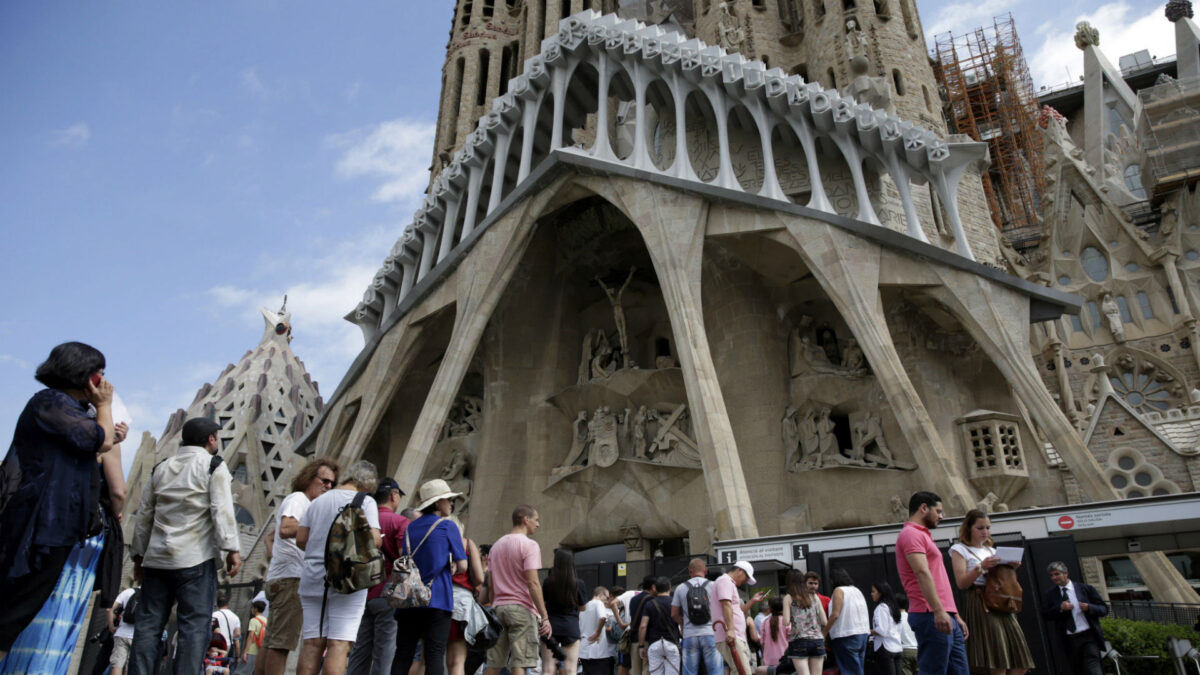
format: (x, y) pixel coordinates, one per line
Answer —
(513, 564)
(729, 617)
(932, 614)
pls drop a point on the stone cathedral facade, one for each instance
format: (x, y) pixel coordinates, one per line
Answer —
(698, 271)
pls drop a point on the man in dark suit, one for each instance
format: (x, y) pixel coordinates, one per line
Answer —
(1074, 610)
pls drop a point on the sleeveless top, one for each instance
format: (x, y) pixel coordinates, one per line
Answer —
(853, 620)
(806, 625)
(974, 555)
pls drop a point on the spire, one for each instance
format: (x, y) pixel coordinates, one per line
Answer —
(278, 327)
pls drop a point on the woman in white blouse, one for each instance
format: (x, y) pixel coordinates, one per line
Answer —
(885, 630)
(997, 643)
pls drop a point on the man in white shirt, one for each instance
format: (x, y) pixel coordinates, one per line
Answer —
(597, 654)
(122, 631)
(184, 524)
(283, 576)
(228, 625)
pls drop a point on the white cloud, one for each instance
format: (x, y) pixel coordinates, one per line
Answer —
(10, 360)
(334, 278)
(74, 136)
(395, 152)
(960, 18)
(253, 84)
(1123, 30)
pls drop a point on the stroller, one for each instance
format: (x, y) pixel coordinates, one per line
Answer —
(217, 660)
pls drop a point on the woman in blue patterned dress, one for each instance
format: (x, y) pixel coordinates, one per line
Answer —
(49, 495)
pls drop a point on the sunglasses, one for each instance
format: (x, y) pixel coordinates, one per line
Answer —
(326, 482)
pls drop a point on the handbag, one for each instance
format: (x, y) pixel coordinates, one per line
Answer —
(1002, 591)
(404, 588)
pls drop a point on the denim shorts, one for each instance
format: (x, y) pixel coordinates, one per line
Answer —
(801, 648)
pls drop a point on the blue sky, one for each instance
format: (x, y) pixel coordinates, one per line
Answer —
(169, 167)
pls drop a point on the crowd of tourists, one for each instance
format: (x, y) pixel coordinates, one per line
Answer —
(360, 585)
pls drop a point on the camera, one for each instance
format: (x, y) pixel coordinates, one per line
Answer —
(555, 648)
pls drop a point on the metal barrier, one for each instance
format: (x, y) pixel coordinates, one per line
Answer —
(1178, 613)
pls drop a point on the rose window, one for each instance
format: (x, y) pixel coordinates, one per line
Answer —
(1142, 392)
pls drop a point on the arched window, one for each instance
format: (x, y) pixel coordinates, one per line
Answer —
(485, 58)
(898, 81)
(1144, 305)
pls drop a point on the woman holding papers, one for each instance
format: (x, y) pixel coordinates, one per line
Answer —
(997, 643)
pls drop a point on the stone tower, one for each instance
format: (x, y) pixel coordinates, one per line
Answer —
(264, 404)
(873, 50)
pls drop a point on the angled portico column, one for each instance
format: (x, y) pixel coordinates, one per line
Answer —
(480, 283)
(673, 225)
(848, 270)
(997, 318)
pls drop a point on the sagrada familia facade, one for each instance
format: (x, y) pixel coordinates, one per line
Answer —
(690, 271)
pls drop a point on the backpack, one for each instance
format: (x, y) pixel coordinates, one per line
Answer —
(1002, 591)
(699, 606)
(404, 589)
(352, 560)
(129, 611)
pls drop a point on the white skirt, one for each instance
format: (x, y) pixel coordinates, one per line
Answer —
(342, 615)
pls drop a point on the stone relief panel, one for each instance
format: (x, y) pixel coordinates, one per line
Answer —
(832, 421)
(454, 456)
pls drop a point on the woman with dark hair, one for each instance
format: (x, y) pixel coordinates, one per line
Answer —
(803, 613)
(885, 633)
(564, 593)
(51, 481)
(848, 625)
(997, 643)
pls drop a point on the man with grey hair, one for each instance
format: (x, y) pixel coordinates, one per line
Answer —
(1074, 610)
(331, 619)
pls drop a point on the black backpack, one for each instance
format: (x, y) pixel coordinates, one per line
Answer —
(129, 612)
(699, 609)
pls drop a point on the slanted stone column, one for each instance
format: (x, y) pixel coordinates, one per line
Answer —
(673, 226)
(479, 284)
(997, 318)
(847, 268)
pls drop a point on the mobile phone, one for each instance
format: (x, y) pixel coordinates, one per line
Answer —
(767, 593)
(96, 377)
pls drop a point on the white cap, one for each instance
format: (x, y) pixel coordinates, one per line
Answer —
(748, 569)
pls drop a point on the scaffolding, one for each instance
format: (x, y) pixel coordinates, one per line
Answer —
(989, 96)
(1170, 133)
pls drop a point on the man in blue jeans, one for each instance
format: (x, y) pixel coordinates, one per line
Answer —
(698, 641)
(184, 523)
(941, 632)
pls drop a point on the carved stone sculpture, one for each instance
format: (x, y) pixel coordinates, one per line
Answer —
(791, 437)
(604, 363)
(603, 433)
(619, 313)
(455, 475)
(810, 440)
(856, 48)
(828, 341)
(1113, 313)
(672, 443)
(852, 357)
(869, 444)
(579, 441)
(639, 433)
(1086, 35)
(1178, 9)
(826, 441)
(813, 359)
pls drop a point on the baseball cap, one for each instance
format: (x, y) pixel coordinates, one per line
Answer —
(197, 430)
(388, 483)
(748, 569)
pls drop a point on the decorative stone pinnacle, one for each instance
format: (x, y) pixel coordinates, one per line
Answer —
(1086, 35)
(1178, 9)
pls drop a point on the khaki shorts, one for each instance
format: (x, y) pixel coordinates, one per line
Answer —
(283, 632)
(518, 635)
(743, 651)
(120, 652)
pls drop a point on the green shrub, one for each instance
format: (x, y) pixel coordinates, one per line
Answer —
(1142, 638)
